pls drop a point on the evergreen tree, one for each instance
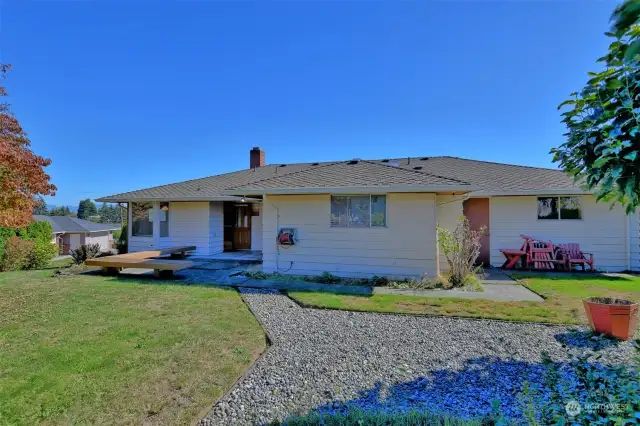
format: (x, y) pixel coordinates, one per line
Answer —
(41, 207)
(86, 209)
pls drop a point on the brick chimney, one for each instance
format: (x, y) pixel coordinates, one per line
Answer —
(256, 157)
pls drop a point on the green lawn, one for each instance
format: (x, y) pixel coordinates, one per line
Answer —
(98, 350)
(563, 300)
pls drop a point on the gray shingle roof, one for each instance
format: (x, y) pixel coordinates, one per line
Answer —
(357, 173)
(494, 178)
(73, 224)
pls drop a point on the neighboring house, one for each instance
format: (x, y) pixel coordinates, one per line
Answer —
(376, 217)
(70, 232)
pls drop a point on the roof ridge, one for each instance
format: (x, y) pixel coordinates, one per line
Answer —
(197, 179)
(498, 163)
(417, 171)
(285, 174)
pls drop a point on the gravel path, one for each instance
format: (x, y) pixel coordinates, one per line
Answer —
(323, 360)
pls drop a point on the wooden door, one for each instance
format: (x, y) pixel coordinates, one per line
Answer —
(242, 228)
(477, 211)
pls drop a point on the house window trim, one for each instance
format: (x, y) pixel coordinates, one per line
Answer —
(153, 209)
(168, 221)
(580, 197)
(386, 211)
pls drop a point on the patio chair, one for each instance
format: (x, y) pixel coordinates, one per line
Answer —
(574, 256)
(542, 255)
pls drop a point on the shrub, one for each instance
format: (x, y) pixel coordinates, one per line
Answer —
(379, 281)
(327, 278)
(606, 394)
(122, 242)
(421, 284)
(37, 231)
(84, 252)
(16, 254)
(461, 248)
(359, 418)
(5, 234)
(41, 254)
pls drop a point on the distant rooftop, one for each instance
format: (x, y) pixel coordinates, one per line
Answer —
(72, 224)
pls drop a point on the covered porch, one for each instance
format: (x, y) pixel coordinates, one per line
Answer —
(220, 226)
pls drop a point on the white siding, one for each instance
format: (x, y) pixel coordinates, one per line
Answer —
(406, 247)
(216, 227)
(449, 211)
(634, 241)
(256, 229)
(601, 231)
(102, 238)
(188, 226)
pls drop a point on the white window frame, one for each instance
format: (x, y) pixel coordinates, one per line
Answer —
(153, 213)
(386, 210)
(168, 219)
(581, 198)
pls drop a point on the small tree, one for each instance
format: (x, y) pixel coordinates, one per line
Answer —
(461, 248)
(22, 175)
(602, 149)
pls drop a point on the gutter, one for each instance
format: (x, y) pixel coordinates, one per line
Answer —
(541, 192)
(118, 199)
(382, 189)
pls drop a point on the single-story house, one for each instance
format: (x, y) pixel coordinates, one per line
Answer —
(70, 232)
(376, 217)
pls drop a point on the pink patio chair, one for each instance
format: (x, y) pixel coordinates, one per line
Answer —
(574, 256)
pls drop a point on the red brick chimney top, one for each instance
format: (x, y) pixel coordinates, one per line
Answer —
(256, 157)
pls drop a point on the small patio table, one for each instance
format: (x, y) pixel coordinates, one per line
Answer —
(512, 256)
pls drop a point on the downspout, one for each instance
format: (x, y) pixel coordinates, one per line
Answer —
(435, 215)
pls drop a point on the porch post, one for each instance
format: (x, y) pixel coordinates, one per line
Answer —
(156, 224)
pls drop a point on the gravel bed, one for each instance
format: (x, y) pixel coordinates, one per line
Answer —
(327, 360)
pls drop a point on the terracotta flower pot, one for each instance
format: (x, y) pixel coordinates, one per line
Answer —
(614, 317)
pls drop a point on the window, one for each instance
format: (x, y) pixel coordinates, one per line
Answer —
(562, 208)
(142, 220)
(358, 211)
(164, 219)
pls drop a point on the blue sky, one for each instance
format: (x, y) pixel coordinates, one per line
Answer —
(126, 95)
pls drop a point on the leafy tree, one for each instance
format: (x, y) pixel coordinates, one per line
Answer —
(60, 211)
(602, 149)
(86, 209)
(109, 213)
(22, 175)
(41, 207)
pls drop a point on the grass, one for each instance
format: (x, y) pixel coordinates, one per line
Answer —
(562, 305)
(100, 350)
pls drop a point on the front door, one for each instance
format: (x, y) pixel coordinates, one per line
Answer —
(477, 211)
(242, 228)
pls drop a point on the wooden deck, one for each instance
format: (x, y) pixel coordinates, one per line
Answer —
(145, 260)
